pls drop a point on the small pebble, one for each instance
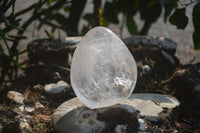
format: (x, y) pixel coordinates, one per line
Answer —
(38, 87)
(19, 110)
(24, 116)
(16, 96)
(38, 105)
(197, 88)
(24, 126)
(120, 129)
(56, 88)
(56, 75)
(146, 68)
(29, 109)
(180, 72)
(142, 125)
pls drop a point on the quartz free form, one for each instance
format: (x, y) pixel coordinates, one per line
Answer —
(103, 71)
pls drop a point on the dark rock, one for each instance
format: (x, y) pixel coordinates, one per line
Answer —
(12, 127)
(159, 49)
(49, 60)
(186, 82)
(49, 52)
(164, 43)
(1, 127)
(158, 53)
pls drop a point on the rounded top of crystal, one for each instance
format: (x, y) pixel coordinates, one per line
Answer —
(103, 71)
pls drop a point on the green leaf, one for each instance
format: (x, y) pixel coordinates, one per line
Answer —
(48, 15)
(126, 6)
(168, 9)
(84, 30)
(61, 19)
(88, 16)
(110, 12)
(105, 22)
(66, 8)
(179, 18)
(150, 13)
(168, 1)
(131, 25)
(40, 25)
(196, 17)
(50, 1)
(196, 40)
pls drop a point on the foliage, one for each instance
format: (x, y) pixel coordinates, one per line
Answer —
(12, 31)
(150, 10)
(65, 15)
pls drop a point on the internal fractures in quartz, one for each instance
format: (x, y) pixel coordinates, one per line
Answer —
(103, 71)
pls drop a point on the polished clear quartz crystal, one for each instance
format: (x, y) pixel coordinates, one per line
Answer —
(103, 71)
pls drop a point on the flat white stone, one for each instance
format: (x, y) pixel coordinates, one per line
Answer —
(71, 40)
(103, 71)
(16, 96)
(56, 88)
(164, 101)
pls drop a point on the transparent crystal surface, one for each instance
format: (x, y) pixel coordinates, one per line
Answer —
(103, 71)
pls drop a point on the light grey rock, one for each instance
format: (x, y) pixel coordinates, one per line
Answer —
(164, 101)
(56, 88)
(150, 105)
(16, 96)
(103, 71)
(148, 108)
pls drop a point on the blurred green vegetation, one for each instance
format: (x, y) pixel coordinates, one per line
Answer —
(53, 13)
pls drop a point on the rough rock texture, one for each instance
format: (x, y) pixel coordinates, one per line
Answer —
(103, 71)
(150, 105)
(155, 57)
(187, 83)
(79, 118)
(49, 60)
(50, 51)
